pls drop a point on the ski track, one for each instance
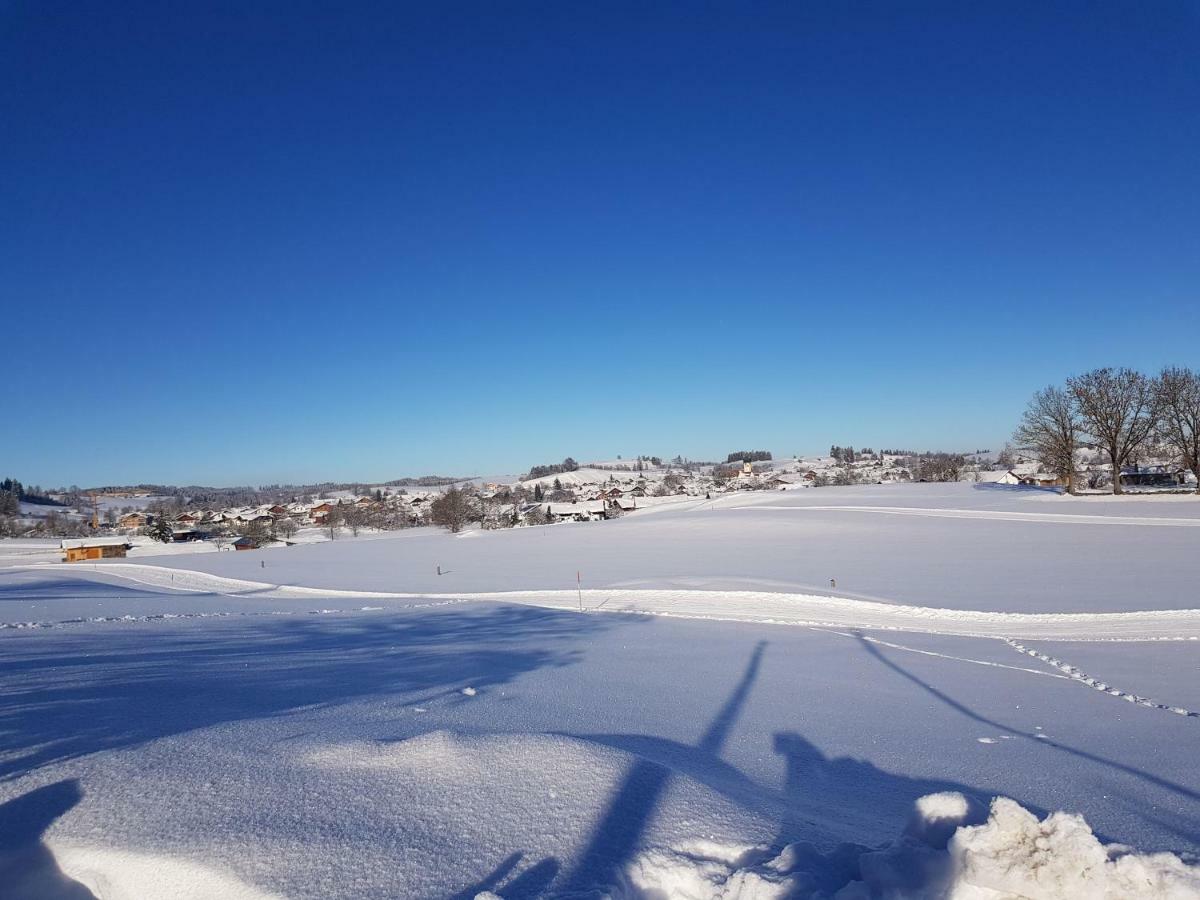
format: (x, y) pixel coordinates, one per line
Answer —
(990, 515)
(760, 607)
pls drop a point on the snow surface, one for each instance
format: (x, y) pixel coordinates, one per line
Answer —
(719, 722)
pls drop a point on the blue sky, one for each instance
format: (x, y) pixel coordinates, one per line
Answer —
(358, 241)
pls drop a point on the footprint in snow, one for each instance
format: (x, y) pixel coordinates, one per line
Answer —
(469, 691)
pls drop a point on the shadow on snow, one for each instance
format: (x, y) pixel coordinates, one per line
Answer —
(82, 695)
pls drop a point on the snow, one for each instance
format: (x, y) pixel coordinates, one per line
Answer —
(718, 722)
(985, 562)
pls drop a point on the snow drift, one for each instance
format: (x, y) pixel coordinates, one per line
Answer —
(123, 875)
(942, 855)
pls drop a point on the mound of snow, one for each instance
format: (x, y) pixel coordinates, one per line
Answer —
(1015, 854)
(122, 875)
(941, 855)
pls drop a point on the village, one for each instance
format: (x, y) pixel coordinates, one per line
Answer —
(594, 492)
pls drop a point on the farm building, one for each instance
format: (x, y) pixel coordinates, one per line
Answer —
(1004, 476)
(82, 549)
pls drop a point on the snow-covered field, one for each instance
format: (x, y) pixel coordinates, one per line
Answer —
(339, 720)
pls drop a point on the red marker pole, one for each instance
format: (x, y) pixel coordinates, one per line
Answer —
(579, 588)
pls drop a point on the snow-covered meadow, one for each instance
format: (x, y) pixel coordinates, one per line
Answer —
(720, 720)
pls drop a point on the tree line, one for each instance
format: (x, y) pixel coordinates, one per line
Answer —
(567, 465)
(748, 456)
(1125, 413)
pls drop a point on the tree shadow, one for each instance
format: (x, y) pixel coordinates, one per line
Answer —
(619, 832)
(1192, 824)
(28, 870)
(824, 801)
(72, 694)
(530, 884)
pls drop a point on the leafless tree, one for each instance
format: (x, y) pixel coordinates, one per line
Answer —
(1119, 410)
(1179, 423)
(333, 521)
(256, 530)
(286, 527)
(354, 518)
(453, 509)
(1050, 429)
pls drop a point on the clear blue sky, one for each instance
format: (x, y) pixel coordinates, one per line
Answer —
(248, 243)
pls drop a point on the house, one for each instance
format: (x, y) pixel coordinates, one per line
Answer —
(1006, 476)
(134, 520)
(783, 482)
(185, 519)
(1148, 476)
(81, 549)
(320, 513)
(1040, 479)
(186, 535)
(246, 543)
(575, 512)
(277, 511)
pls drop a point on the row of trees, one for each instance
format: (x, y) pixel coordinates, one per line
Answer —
(567, 465)
(747, 456)
(847, 455)
(1125, 413)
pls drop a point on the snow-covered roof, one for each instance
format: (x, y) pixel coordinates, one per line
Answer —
(78, 543)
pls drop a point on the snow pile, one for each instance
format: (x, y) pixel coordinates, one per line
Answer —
(122, 875)
(941, 855)
(1015, 854)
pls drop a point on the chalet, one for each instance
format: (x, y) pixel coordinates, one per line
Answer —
(320, 513)
(1007, 476)
(186, 519)
(277, 511)
(82, 549)
(246, 543)
(783, 482)
(575, 512)
(1040, 479)
(134, 520)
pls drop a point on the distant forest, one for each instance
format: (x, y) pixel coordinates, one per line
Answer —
(749, 456)
(13, 494)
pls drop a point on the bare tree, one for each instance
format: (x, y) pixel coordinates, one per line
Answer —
(1179, 425)
(1050, 429)
(354, 518)
(286, 527)
(1119, 410)
(453, 509)
(333, 521)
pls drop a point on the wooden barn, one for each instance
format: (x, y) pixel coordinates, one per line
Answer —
(83, 549)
